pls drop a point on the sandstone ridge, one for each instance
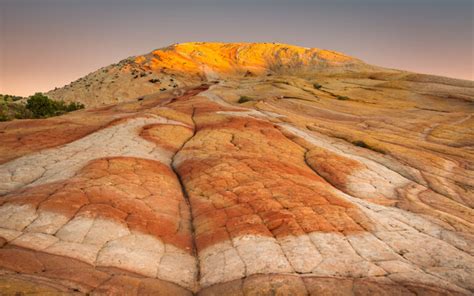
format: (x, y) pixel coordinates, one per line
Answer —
(268, 170)
(189, 64)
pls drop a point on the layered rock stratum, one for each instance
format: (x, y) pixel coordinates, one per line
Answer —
(242, 169)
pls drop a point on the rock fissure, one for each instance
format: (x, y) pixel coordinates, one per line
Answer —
(186, 197)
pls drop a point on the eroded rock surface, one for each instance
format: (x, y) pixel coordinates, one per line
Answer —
(316, 183)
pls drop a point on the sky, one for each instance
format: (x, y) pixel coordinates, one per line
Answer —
(49, 43)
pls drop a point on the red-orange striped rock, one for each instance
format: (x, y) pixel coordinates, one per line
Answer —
(258, 183)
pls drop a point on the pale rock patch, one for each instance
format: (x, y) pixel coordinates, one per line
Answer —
(9, 234)
(211, 262)
(397, 266)
(76, 229)
(423, 278)
(103, 230)
(130, 257)
(82, 252)
(301, 253)
(63, 162)
(340, 259)
(179, 268)
(251, 249)
(47, 222)
(371, 248)
(16, 217)
(35, 241)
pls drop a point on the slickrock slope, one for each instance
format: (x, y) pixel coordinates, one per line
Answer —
(312, 176)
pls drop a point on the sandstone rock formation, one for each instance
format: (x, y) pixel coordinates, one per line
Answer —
(269, 170)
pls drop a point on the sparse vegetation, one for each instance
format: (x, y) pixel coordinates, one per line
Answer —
(248, 74)
(244, 99)
(9, 98)
(73, 106)
(11, 109)
(154, 80)
(317, 85)
(37, 106)
(342, 98)
(43, 107)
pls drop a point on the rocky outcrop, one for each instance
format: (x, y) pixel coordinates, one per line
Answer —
(190, 64)
(330, 184)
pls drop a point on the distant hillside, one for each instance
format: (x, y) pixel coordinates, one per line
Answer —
(190, 64)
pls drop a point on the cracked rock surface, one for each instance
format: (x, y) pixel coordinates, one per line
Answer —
(292, 191)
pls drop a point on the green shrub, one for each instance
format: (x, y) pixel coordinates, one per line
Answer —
(73, 106)
(4, 112)
(11, 110)
(20, 111)
(244, 99)
(317, 85)
(41, 106)
(4, 117)
(363, 144)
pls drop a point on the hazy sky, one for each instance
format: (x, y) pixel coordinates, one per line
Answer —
(49, 43)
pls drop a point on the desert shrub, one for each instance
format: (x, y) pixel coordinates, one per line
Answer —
(4, 116)
(41, 106)
(73, 106)
(11, 110)
(21, 112)
(360, 143)
(317, 85)
(363, 144)
(248, 74)
(244, 99)
(9, 98)
(342, 98)
(154, 80)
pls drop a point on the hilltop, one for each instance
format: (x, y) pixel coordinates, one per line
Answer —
(190, 64)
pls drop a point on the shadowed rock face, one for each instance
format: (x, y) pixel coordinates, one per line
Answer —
(330, 177)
